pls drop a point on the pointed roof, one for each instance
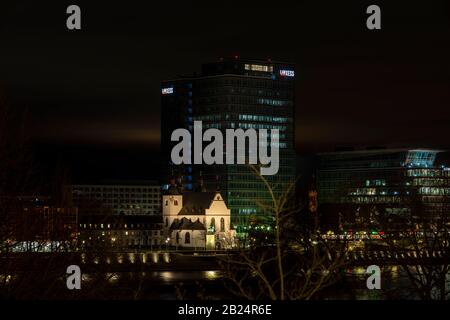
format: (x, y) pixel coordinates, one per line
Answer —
(195, 203)
(186, 224)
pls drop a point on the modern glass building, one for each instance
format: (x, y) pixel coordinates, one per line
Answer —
(404, 182)
(232, 94)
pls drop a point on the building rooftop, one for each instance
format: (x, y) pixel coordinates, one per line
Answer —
(187, 224)
(130, 183)
(380, 150)
(121, 219)
(195, 203)
(234, 66)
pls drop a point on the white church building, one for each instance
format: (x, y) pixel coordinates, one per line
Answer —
(197, 220)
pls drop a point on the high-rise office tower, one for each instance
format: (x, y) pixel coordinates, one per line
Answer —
(232, 94)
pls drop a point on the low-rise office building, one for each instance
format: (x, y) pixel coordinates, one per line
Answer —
(355, 186)
(120, 198)
(120, 232)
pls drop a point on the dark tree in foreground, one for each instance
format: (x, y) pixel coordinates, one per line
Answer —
(422, 249)
(298, 265)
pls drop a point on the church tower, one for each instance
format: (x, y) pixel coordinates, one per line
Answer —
(171, 205)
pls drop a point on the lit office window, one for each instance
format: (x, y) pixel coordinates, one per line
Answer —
(258, 67)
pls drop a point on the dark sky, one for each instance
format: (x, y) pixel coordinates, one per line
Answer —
(98, 88)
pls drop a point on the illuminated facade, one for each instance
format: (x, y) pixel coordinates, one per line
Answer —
(120, 232)
(197, 220)
(37, 224)
(232, 94)
(402, 182)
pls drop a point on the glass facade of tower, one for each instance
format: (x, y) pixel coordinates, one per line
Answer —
(176, 112)
(244, 94)
(401, 182)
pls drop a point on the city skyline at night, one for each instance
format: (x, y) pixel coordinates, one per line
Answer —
(214, 152)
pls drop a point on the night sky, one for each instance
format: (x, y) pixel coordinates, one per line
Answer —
(93, 95)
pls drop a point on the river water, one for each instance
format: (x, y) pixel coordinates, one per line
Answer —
(395, 284)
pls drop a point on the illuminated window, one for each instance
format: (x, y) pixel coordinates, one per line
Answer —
(258, 67)
(420, 158)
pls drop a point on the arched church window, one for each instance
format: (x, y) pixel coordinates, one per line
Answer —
(222, 225)
(187, 238)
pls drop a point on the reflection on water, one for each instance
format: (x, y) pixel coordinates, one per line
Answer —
(186, 276)
(112, 277)
(168, 277)
(86, 277)
(6, 278)
(166, 257)
(211, 275)
(395, 284)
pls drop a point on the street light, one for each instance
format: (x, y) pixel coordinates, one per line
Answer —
(167, 243)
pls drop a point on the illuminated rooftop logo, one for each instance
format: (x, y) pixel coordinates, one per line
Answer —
(167, 90)
(287, 73)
